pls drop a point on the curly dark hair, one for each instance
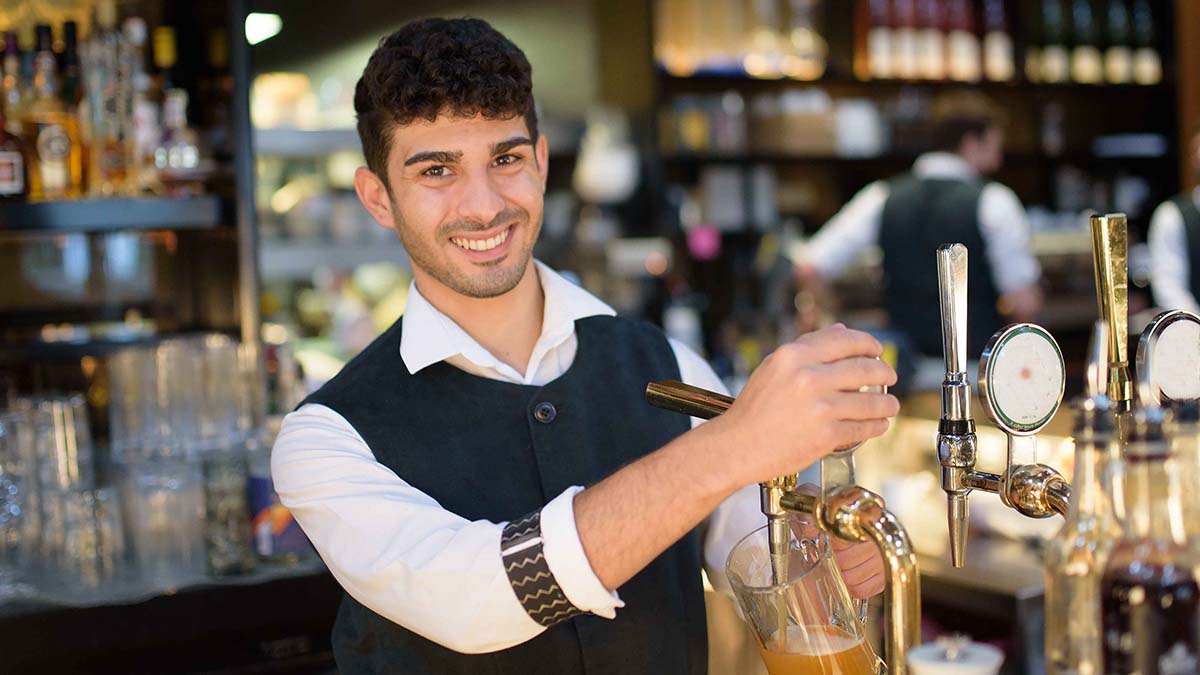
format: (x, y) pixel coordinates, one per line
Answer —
(440, 66)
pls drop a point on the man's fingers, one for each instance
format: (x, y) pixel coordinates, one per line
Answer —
(852, 432)
(863, 405)
(851, 374)
(869, 587)
(837, 342)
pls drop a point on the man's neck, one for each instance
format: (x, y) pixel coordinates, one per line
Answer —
(508, 326)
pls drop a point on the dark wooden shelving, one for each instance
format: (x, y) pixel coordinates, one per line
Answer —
(112, 214)
(709, 81)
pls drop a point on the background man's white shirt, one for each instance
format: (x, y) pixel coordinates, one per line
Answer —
(1170, 269)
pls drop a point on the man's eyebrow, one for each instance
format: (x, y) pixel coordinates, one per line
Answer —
(439, 156)
(504, 146)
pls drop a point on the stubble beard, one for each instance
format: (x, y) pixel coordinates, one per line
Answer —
(491, 279)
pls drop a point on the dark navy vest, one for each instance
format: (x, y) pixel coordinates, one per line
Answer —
(921, 214)
(475, 446)
(1191, 226)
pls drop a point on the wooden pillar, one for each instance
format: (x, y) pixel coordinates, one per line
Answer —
(1187, 81)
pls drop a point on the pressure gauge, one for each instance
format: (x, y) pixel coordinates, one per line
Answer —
(1168, 359)
(1021, 378)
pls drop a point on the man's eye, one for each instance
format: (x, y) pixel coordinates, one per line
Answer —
(435, 172)
(507, 159)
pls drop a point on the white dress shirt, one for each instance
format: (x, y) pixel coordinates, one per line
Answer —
(399, 553)
(1169, 269)
(1002, 224)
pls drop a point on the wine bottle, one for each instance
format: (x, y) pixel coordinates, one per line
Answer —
(1147, 64)
(1087, 64)
(964, 63)
(1118, 56)
(999, 64)
(1054, 59)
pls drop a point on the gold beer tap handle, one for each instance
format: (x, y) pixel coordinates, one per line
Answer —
(1110, 260)
(684, 398)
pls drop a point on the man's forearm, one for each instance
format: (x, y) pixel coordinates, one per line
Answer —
(629, 518)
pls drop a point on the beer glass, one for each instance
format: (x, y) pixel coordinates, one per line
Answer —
(822, 634)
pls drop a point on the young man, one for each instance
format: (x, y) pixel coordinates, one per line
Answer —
(439, 474)
(943, 199)
(1174, 238)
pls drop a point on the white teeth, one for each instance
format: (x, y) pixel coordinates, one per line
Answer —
(481, 244)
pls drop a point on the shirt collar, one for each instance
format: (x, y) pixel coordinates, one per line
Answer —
(943, 165)
(429, 336)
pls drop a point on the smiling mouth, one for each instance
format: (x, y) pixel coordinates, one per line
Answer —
(482, 244)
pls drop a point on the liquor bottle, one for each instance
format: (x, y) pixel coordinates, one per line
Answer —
(147, 129)
(764, 47)
(71, 72)
(931, 40)
(1053, 58)
(999, 64)
(1147, 64)
(1118, 57)
(806, 51)
(177, 157)
(904, 39)
(1183, 432)
(964, 63)
(1076, 558)
(13, 84)
(110, 107)
(1150, 596)
(12, 163)
(165, 56)
(879, 41)
(51, 132)
(1087, 64)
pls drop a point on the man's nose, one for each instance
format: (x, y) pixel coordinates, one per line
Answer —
(480, 200)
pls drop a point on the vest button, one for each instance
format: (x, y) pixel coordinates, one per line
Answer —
(544, 412)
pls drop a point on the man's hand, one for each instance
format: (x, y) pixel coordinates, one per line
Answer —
(861, 565)
(802, 402)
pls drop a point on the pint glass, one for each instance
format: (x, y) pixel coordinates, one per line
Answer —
(821, 633)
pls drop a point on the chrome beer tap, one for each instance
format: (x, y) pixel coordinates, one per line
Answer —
(841, 509)
(1021, 381)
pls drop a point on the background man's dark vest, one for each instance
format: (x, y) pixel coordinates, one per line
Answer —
(921, 214)
(1191, 225)
(475, 446)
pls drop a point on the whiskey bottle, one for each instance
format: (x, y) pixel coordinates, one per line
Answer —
(50, 132)
(1149, 592)
(1076, 558)
(177, 158)
(12, 164)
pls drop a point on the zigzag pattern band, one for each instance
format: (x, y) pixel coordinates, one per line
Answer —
(529, 575)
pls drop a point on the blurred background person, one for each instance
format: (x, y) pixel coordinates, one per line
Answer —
(945, 197)
(1174, 239)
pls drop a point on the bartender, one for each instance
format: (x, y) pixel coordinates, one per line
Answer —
(1174, 239)
(943, 198)
(486, 480)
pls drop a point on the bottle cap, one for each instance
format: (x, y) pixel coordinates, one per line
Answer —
(44, 38)
(164, 46)
(106, 13)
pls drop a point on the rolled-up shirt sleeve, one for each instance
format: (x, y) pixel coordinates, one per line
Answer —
(398, 552)
(1170, 267)
(1006, 230)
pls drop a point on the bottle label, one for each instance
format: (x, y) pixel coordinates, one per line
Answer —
(1056, 63)
(1087, 65)
(931, 54)
(998, 62)
(1118, 64)
(904, 53)
(964, 64)
(53, 150)
(1147, 66)
(276, 532)
(12, 173)
(879, 52)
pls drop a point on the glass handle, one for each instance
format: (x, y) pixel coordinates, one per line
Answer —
(860, 607)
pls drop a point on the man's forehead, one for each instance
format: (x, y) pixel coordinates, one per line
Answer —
(454, 133)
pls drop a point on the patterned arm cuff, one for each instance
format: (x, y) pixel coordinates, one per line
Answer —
(529, 575)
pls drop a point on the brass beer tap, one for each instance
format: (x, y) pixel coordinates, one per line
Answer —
(841, 509)
(1021, 380)
(1110, 260)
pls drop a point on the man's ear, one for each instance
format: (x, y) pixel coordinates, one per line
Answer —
(541, 151)
(374, 196)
